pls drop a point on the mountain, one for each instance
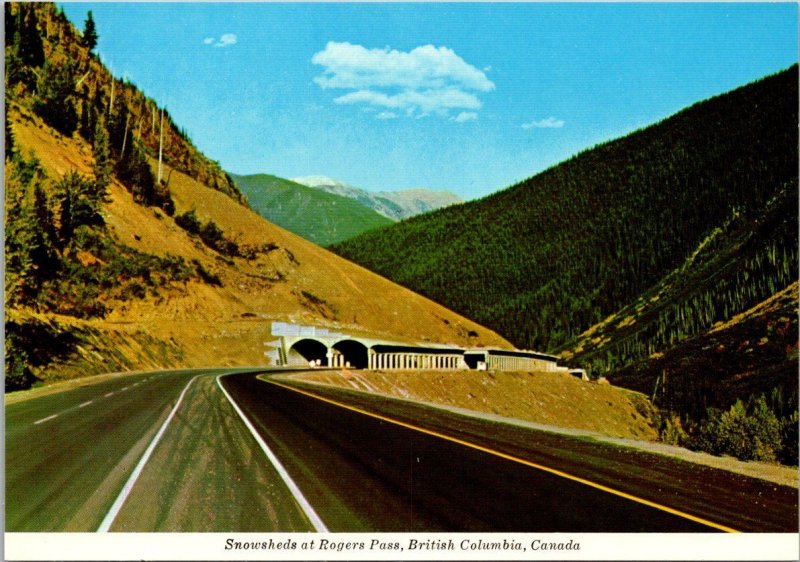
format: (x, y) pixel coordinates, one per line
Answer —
(109, 267)
(316, 215)
(624, 253)
(396, 205)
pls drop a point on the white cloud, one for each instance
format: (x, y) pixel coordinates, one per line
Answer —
(225, 40)
(387, 115)
(426, 80)
(548, 123)
(413, 102)
(465, 116)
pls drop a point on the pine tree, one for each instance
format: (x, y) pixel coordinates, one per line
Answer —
(56, 103)
(22, 231)
(44, 254)
(28, 40)
(134, 171)
(79, 204)
(102, 160)
(89, 33)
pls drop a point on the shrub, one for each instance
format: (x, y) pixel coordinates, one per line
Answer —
(189, 222)
(671, 431)
(752, 433)
(789, 437)
(207, 276)
(211, 235)
(18, 375)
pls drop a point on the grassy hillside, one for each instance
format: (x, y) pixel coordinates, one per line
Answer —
(544, 260)
(323, 218)
(104, 269)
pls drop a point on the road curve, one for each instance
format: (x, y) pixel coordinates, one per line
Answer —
(177, 452)
(368, 474)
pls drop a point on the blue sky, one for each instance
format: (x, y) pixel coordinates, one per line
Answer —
(466, 97)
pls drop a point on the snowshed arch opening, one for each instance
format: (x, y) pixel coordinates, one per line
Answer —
(305, 351)
(354, 352)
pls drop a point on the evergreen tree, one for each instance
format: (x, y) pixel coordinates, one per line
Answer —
(89, 33)
(23, 238)
(79, 204)
(88, 118)
(28, 40)
(11, 24)
(134, 171)
(102, 160)
(56, 101)
(44, 254)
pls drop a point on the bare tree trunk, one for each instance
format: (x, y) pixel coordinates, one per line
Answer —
(111, 105)
(125, 136)
(139, 126)
(78, 83)
(160, 145)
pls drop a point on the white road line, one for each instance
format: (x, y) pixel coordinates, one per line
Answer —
(126, 490)
(85, 404)
(48, 418)
(298, 495)
(109, 394)
(124, 389)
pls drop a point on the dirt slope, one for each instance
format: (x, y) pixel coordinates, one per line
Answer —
(556, 399)
(202, 324)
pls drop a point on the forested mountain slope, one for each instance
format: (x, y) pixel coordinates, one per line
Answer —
(546, 259)
(316, 215)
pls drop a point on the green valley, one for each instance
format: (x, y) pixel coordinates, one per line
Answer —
(322, 218)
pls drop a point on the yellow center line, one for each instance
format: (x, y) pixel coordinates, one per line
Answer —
(514, 459)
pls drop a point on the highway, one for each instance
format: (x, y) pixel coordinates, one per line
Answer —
(69, 456)
(173, 451)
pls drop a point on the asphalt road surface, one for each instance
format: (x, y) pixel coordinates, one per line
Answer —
(70, 455)
(371, 474)
(172, 451)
